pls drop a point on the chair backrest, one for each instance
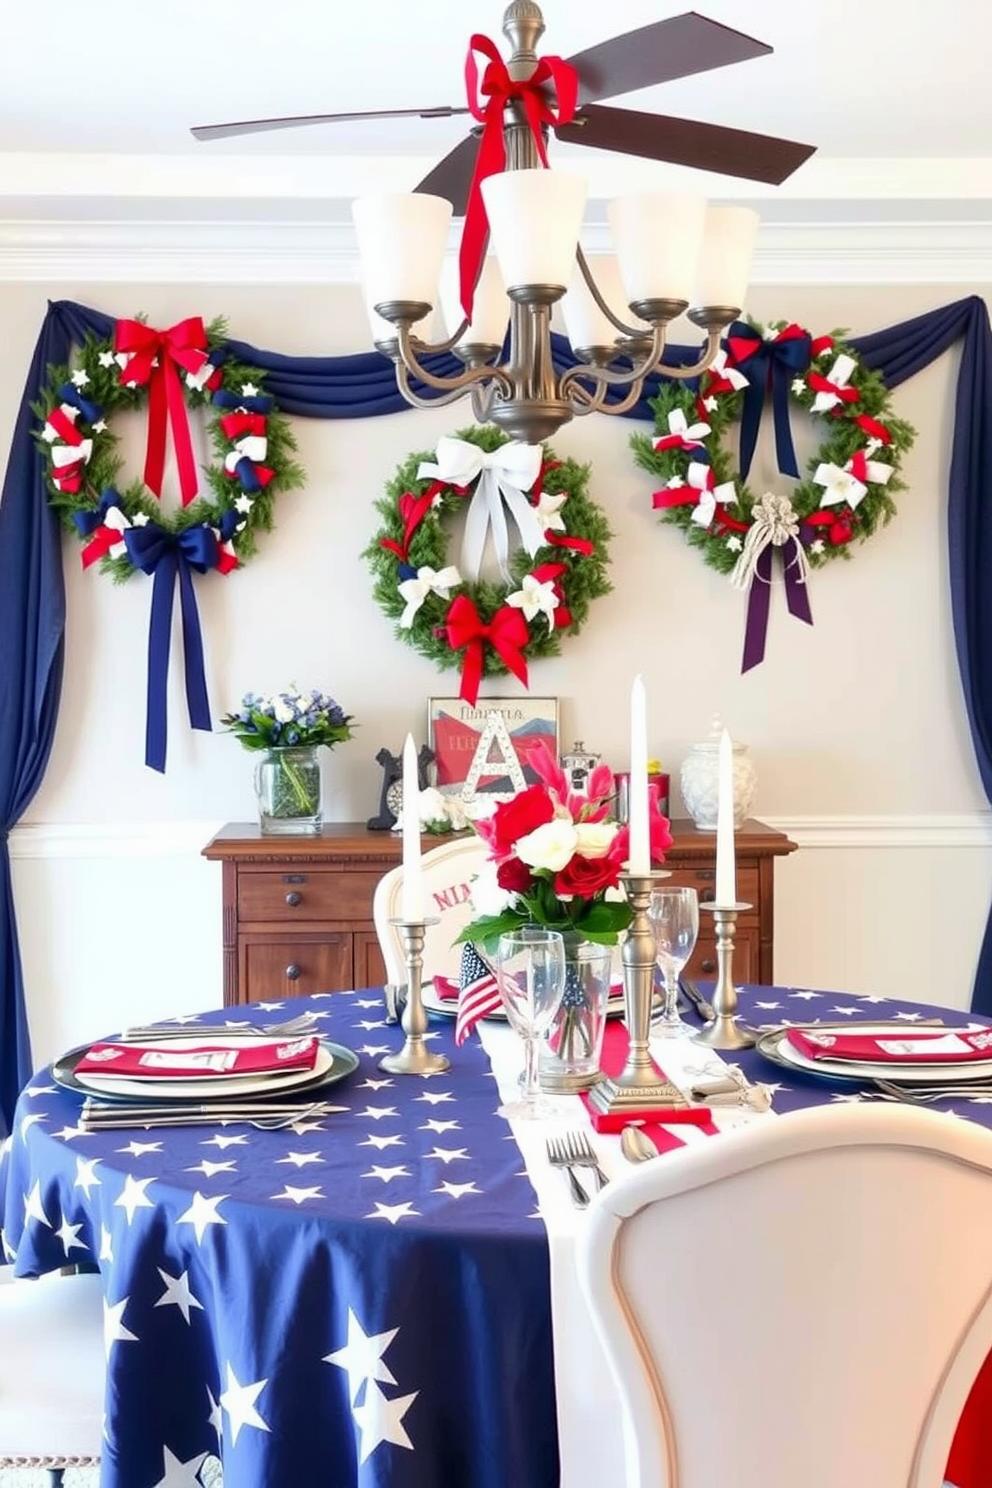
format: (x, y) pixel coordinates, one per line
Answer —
(52, 1371)
(805, 1301)
(447, 871)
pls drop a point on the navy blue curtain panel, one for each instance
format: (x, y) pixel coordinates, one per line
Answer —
(32, 599)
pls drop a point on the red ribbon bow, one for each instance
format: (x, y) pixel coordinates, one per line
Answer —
(507, 633)
(100, 544)
(413, 510)
(155, 358)
(238, 425)
(499, 88)
(873, 428)
(838, 529)
(69, 477)
(64, 426)
(821, 384)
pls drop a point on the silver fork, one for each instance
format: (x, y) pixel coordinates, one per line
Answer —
(579, 1149)
(304, 1023)
(918, 1095)
(558, 1157)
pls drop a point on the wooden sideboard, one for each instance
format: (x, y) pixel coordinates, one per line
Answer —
(298, 910)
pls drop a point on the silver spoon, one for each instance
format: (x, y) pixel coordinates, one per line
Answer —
(635, 1146)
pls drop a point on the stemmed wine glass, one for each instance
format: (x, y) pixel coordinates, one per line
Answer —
(530, 974)
(674, 916)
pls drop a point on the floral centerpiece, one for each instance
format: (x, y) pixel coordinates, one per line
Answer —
(555, 858)
(289, 728)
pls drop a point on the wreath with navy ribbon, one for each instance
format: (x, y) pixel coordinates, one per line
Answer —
(549, 571)
(843, 498)
(122, 526)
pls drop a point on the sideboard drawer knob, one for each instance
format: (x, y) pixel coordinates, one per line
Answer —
(293, 971)
(293, 899)
(708, 965)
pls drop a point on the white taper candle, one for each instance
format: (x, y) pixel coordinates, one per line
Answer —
(412, 897)
(726, 863)
(639, 860)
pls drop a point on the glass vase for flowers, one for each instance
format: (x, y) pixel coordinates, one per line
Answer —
(287, 784)
(570, 1055)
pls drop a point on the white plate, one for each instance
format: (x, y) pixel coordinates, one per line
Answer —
(161, 1088)
(777, 1047)
(449, 1006)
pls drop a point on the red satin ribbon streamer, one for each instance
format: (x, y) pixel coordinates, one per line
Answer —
(238, 425)
(226, 561)
(413, 510)
(820, 344)
(858, 466)
(730, 523)
(820, 384)
(873, 428)
(674, 496)
(499, 88)
(69, 477)
(100, 544)
(64, 426)
(155, 359)
(838, 530)
(576, 544)
(507, 633)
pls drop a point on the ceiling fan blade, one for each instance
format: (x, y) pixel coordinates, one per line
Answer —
(659, 53)
(709, 147)
(258, 126)
(452, 176)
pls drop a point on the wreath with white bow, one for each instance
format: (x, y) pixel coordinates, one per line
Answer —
(549, 539)
(845, 495)
(123, 526)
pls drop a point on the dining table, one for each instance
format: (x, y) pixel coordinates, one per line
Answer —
(380, 1291)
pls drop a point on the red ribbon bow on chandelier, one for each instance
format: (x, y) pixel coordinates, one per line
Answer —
(507, 633)
(154, 358)
(498, 88)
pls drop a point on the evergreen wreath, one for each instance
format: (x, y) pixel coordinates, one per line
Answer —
(188, 366)
(847, 491)
(484, 626)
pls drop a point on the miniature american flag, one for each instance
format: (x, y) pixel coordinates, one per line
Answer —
(478, 994)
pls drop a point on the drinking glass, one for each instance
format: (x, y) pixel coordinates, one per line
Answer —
(530, 974)
(674, 916)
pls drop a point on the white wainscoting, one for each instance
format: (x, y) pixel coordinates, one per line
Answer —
(122, 923)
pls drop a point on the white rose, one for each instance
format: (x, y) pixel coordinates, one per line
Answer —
(488, 898)
(455, 807)
(550, 846)
(595, 838)
(283, 712)
(432, 806)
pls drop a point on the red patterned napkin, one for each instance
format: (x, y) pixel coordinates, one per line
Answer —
(206, 1061)
(612, 1060)
(922, 1046)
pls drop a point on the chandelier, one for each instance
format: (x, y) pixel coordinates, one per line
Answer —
(674, 254)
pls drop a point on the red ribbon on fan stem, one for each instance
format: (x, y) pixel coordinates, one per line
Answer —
(155, 358)
(498, 88)
(507, 633)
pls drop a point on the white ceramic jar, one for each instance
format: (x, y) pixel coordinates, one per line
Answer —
(699, 778)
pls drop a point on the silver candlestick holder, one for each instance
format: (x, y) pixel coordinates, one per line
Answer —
(724, 1032)
(414, 1058)
(639, 1086)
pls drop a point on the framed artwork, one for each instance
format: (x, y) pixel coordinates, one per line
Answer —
(482, 749)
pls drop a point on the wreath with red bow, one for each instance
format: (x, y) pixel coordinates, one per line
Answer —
(451, 613)
(123, 527)
(847, 490)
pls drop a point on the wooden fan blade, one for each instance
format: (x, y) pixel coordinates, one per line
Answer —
(673, 48)
(452, 176)
(709, 147)
(258, 126)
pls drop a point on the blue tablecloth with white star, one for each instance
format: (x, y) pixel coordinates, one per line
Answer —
(361, 1301)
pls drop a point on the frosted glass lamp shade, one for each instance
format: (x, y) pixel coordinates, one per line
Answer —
(585, 322)
(401, 242)
(490, 308)
(534, 220)
(725, 261)
(384, 330)
(657, 236)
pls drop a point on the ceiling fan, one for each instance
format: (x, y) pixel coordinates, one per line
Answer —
(676, 47)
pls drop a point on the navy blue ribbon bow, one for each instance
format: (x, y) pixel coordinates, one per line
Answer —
(762, 362)
(260, 403)
(88, 521)
(166, 555)
(69, 393)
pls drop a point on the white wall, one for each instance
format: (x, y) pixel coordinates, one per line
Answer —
(857, 725)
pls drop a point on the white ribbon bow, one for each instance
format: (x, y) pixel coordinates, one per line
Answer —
(503, 476)
(705, 509)
(842, 485)
(68, 454)
(428, 581)
(679, 426)
(115, 519)
(535, 598)
(719, 366)
(839, 374)
(774, 522)
(254, 446)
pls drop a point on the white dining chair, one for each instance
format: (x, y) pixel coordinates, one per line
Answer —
(804, 1301)
(448, 871)
(52, 1373)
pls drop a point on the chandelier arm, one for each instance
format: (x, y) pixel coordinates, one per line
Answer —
(462, 381)
(593, 288)
(606, 378)
(682, 374)
(415, 399)
(597, 404)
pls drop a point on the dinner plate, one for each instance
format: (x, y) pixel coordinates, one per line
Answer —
(776, 1047)
(334, 1062)
(449, 1005)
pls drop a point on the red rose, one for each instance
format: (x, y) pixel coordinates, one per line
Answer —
(514, 819)
(587, 876)
(514, 876)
